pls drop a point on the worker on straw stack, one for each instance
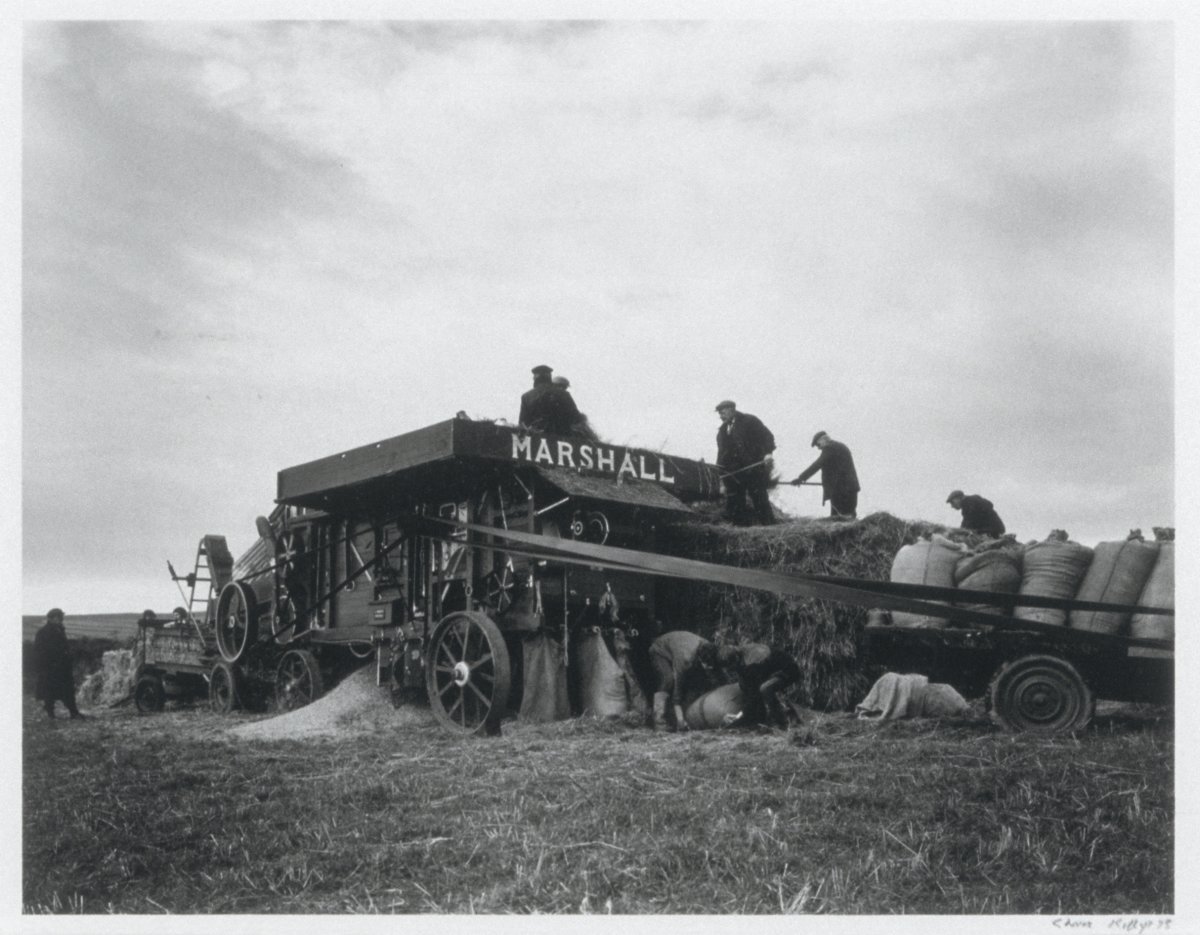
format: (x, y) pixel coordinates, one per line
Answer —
(763, 674)
(52, 665)
(581, 428)
(839, 479)
(683, 670)
(546, 407)
(978, 513)
(744, 447)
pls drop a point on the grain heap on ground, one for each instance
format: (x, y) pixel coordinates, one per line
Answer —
(355, 705)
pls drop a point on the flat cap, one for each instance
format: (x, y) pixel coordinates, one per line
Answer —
(542, 370)
(55, 612)
(954, 494)
(818, 437)
(726, 404)
(561, 381)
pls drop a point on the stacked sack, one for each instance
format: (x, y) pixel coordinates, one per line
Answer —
(1158, 591)
(929, 561)
(1053, 568)
(1117, 574)
(994, 569)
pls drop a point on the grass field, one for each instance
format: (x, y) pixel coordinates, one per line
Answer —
(169, 813)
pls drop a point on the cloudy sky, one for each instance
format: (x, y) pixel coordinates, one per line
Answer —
(248, 245)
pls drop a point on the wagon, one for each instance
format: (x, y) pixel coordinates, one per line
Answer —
(1034, 677)
(173, 662)
(393, 552)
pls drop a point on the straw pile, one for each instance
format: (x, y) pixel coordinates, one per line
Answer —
(355, 705)
(111, 683)
(821, 635)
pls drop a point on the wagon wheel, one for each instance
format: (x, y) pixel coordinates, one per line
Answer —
(297, 680)
(149, 696)
(237, 620)
(224, 688)
(1041, 693)
(466, 673)
(500, 588)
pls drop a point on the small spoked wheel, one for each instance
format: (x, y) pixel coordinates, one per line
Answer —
(237, 620)
(223, 689)
(297, 680)
(149, 696)
(1041, 693)
(467, 674)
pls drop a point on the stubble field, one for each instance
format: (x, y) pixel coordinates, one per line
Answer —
(173, 813)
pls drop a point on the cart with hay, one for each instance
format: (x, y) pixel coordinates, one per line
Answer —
(394, 551)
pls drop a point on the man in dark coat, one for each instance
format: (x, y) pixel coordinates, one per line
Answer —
(978, 514)
(52, 665)
(744, 447)
(548, 408)
(763, 673)
(839, 480)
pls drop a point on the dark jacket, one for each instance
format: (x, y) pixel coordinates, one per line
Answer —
(978, 515)
(743, 442)
(52, 662)
(550, 409)
(836, 465)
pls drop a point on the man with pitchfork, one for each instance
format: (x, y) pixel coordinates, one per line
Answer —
(744, 447)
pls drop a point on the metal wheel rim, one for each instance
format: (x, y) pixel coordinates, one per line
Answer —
(222, 692)
(1041, 696)
(147, 696)
(468, 673)
(295, 683)
(234, 626)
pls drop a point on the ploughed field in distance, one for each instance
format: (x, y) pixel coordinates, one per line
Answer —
(392, 814)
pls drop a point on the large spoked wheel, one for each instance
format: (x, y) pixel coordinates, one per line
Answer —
(149, 696)
(467, 674)
(1041, 693)
(237, 620)
(223, 690)
(297, 680)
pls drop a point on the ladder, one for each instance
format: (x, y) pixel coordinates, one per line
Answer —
(212, 570)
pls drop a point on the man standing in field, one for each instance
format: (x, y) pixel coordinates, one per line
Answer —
(744, 447)
(839, 480)
(978, 514)
(682, 662)
(52, 665)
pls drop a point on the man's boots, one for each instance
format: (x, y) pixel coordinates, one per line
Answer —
(660, 710)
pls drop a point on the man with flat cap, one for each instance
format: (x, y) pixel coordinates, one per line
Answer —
(744, 447)
(839, 480)
(978, 514)
(52, 665)
(547, 407)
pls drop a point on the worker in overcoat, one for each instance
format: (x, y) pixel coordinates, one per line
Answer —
(52, 665)
(547, 407)
(744, 457)
(839, 479)
(684, 668)
(978, 513)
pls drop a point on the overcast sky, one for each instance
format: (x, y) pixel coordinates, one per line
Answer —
(246, 246)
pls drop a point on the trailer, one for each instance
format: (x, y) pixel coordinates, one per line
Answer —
(439, 554)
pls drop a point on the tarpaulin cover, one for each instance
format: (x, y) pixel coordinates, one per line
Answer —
(545, 695)
(894, 697)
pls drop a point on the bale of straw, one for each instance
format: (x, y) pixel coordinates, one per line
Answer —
(822, 636)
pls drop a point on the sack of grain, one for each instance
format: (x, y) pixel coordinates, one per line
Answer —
(930, 561)
(997, 570)
(708, 711)
(544, 679)
(602, 689)
(1052, 568)
(1117, 574)
(1158, 591)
